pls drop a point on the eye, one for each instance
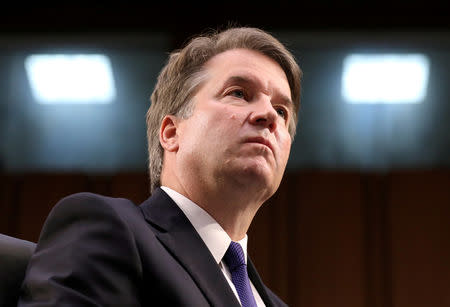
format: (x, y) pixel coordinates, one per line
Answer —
(238, 93)
(281, 111)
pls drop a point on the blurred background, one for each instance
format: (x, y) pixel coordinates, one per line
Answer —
(362, 217)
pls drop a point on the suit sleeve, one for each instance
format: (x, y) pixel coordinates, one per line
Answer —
(86, 256)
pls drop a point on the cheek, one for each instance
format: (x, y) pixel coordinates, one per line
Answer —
(225, 121)
(213, 130)
(285, 147)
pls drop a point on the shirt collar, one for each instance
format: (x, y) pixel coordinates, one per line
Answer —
(215, 238)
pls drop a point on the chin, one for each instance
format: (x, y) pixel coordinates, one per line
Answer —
(256, 175)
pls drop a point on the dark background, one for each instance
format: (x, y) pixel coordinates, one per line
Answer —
(362, 215)
(184, 19)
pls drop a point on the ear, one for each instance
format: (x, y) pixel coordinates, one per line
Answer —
(168, 133)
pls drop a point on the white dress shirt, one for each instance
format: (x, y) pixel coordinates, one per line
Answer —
(215, 238)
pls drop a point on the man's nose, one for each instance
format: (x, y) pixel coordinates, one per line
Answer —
(263, 114)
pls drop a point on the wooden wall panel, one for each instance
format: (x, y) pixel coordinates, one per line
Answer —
(134, 186)
(377, 241)
(38, 194)
(420, 223)
(8, 207)
(330, 238)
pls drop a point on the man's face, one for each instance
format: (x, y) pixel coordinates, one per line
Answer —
(238, 132)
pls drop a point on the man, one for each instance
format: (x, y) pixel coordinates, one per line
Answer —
(220, 126)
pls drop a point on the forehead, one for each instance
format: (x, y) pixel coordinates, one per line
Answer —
(248, 64)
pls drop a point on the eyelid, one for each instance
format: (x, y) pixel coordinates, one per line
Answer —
(232, 89)
(284, 108)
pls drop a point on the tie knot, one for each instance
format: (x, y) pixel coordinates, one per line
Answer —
(234, 257)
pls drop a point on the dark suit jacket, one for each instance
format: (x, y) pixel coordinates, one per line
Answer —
(14, 257)
(102, 251)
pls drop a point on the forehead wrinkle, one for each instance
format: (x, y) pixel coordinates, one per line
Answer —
(243, 79)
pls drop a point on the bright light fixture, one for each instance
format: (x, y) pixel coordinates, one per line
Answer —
(67, 79)
(385, 78)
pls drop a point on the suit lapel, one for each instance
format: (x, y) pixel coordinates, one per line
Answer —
(181, 239)
(257, 282)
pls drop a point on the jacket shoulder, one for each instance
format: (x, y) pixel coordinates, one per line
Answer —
(91, 207)
(88, 241)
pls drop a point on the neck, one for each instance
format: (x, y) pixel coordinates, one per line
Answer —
(233, 210)
(235, 216)
(232, 203)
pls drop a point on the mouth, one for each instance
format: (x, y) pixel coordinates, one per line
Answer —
(260, 140)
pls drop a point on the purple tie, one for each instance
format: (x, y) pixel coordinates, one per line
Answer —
(235, 260)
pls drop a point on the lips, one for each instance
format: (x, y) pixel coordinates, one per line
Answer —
(260, 140)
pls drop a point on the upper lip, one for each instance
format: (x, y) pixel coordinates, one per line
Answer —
(260, 140)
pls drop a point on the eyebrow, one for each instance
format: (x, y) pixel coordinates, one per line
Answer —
(251, 81)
